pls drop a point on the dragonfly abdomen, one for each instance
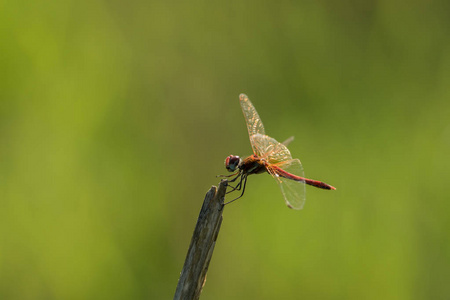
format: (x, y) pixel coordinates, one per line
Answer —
(316, 183)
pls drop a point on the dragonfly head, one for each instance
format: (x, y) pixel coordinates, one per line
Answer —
(232, 163)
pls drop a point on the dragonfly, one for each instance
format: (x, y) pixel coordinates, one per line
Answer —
(269, 156)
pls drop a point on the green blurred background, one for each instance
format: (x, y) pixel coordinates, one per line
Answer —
(115, 118)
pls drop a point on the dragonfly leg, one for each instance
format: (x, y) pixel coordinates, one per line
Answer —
(234, 188)
(244, 179)
(238, 186)
(239, 174)
(228, 175)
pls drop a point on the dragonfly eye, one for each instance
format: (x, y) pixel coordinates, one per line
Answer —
(232, 162)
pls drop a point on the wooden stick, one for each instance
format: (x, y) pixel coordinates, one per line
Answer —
(193, 275)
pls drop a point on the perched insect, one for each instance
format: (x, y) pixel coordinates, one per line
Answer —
(272, 157)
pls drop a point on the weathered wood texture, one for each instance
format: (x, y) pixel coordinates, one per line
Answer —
(193, 275)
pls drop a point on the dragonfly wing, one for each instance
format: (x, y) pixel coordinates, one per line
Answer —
(270, 149)
(288, 141)
(294, 192)
(254, 123)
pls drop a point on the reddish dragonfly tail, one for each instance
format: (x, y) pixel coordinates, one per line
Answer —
(316, 183)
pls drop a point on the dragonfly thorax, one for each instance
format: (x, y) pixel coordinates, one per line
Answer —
(232, 163)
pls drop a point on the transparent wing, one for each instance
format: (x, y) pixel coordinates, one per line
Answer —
(254, 123)
(270, 149)
(288, 141)
(294, 192)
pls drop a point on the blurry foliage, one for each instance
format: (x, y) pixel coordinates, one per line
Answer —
(116, 116)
